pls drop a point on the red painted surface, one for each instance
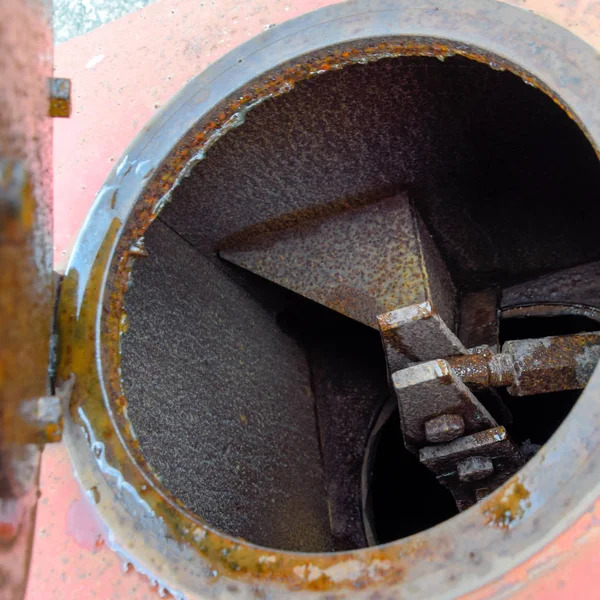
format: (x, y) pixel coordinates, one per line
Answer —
(70, 559)
(121, 74)
(566, 569)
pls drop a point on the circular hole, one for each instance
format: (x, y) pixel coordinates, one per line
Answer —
(252, 404)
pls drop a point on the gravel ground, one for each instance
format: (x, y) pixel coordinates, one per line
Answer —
(76, 17)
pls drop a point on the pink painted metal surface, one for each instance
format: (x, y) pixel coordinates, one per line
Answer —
(70, 559)
(121, 74)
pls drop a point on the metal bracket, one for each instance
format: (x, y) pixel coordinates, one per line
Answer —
(436, 407)
(473, 466)
(429, 391)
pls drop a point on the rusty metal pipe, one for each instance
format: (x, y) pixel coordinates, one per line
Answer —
(534, 366)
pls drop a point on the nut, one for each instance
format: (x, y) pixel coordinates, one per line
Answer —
(444, 428)
(475, 468)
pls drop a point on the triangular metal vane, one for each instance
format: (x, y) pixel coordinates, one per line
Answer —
(362, 262)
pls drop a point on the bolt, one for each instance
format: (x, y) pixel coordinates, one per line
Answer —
(536, 366)
(473, 368)
(475, 468)
(42, 418)
(444, 428)
(502, 370)
(60, 97)
(481, 368)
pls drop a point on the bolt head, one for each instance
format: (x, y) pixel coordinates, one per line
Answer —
(444, 428)
(475, 468)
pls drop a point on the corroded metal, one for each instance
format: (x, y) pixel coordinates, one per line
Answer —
(475, 468)
(225, 563)
(42, 419)
(361, 262)
(350, 386)
(223, 338)
(415, 333)
(431, 389)
(26, 294)
(553, 364)
(474, 465)
(60, 97)
(480, 319)
(444, 428)
(533, 366)
(435, 405)
(575, 287)
(484, 368)
(479, 330)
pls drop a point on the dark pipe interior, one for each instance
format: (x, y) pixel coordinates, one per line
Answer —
(255, 406)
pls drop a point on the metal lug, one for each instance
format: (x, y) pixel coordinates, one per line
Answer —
(416, 333)
(491, 445)
(431, 389)
(60, 98)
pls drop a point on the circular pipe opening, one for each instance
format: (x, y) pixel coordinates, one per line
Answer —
(252, 404)
(453, 558)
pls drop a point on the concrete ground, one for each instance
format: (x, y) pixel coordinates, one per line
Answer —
(76, 17)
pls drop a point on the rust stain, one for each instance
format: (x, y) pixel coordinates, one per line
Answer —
(508, 505)
(554, 363)
(59, 107)
(26, 296)
(472, 368)
(60, 98)
(77, 336)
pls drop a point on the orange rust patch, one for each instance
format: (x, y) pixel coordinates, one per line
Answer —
(59, 107)
(508, 505)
